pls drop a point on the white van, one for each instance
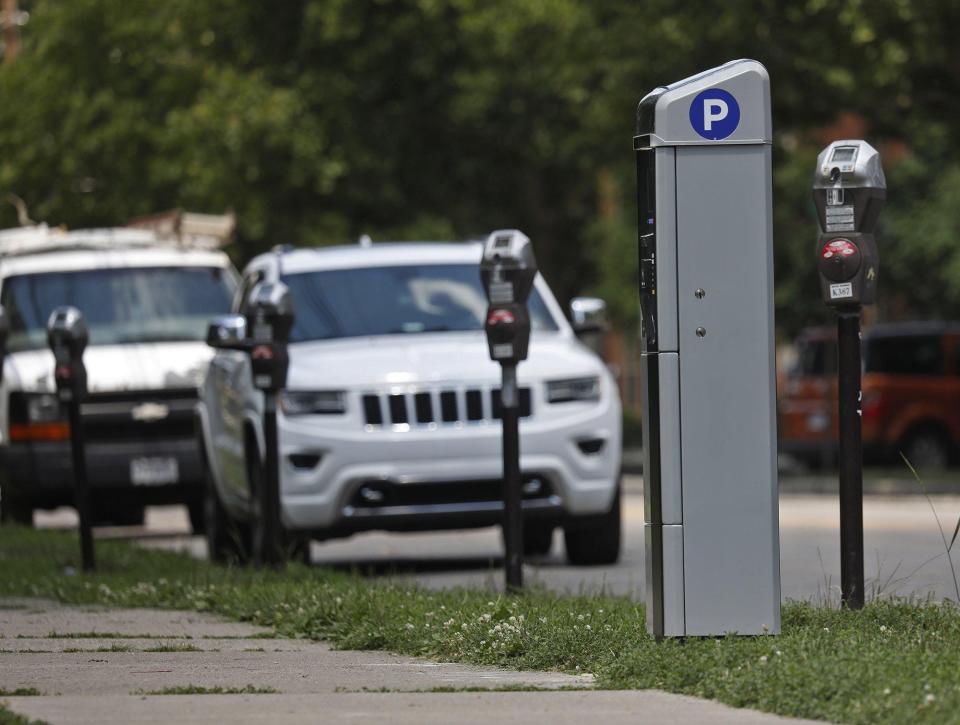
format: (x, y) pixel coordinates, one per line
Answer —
(147, 302)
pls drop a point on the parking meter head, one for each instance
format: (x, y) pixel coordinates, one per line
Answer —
(508, 267)
(269, 313)
(849, 186)
(849, 189)
(227, 332)
(67, 336)
(269, 321)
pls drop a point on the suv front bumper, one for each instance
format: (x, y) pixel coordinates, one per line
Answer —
(322, 497)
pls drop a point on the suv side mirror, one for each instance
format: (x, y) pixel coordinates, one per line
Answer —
(588, 315)
(227, 332)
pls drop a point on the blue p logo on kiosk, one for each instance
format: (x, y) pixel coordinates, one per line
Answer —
(706, 299)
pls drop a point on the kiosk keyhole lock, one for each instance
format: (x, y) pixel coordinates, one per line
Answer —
(67, 336)
(507, 270)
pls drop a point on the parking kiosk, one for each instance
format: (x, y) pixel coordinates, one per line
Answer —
(703, 149)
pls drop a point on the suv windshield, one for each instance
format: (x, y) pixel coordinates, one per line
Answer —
(394, 300)
(120, 305)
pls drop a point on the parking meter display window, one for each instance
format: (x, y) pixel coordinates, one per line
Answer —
(121, 306)
(411, 299)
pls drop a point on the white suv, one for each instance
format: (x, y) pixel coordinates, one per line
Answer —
(390, 418)
(147, 302)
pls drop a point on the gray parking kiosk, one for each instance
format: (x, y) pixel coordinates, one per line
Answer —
(706, 292)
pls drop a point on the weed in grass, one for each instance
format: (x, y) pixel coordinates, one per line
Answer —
(106, 648)
(20, 692)
(98, 635)
(946, 546)
(255, 649)
(174, 647)
(200, 690)
(877, 665)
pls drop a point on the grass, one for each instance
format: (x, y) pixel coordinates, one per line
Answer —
(892, 662)
(175, 647)
(198, 690)
(8, 717)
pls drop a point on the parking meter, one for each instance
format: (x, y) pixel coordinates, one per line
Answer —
(269, 321)
(67, 336)
(507, 270)
(4, 333)
(849, 190)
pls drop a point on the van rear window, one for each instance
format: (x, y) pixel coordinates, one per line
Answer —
(907, 355)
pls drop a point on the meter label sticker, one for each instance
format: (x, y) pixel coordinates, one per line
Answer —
(501, 292)
(841, 291)
(840, 225)
(714, 114)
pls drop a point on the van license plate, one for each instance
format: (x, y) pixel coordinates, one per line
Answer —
(154, 471)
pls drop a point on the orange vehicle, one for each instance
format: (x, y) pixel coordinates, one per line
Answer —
(911, 395)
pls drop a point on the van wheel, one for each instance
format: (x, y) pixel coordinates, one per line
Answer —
(928, 450)
(228, 540)
(14, 511)
(537, 538)
(594, 540)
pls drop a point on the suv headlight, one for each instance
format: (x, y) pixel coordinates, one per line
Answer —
(574, 389)
(313, 402)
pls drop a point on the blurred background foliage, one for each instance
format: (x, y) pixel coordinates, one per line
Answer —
(319, 120)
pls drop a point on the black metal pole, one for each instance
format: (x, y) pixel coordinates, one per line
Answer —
(512, 512)
(851, 461)
(270, 495)
(81, 493)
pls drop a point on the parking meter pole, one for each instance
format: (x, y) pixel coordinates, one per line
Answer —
(851, 461)
(512, 513)
(81, 492)
(270, 495)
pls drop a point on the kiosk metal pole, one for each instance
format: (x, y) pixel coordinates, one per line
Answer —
(851, 460)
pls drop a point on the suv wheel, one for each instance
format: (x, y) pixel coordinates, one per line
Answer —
(14, 511)
(537, 538)
(292, 548)
(928, 450)
(197, 511)
(594, 540)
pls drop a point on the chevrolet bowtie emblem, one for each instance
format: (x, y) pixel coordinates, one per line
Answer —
(149, 412)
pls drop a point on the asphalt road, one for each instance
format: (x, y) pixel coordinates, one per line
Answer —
(904, 549)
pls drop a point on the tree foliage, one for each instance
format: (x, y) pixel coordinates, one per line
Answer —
(318, 120)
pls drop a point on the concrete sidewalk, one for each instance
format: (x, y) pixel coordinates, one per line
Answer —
(95, 665)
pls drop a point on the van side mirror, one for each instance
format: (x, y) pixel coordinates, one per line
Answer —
(588, 315)
(227, 332)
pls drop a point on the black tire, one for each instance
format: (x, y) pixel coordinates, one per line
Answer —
(594, 540)
(127, 515)
(537, 538)
(928, 450)
(15, 511)
(228, 540)
(197, 511)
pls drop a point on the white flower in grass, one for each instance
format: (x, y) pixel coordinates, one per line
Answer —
(886, 690)
(409, 625)
(930, 697)
(883, 628)
(763, 659)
